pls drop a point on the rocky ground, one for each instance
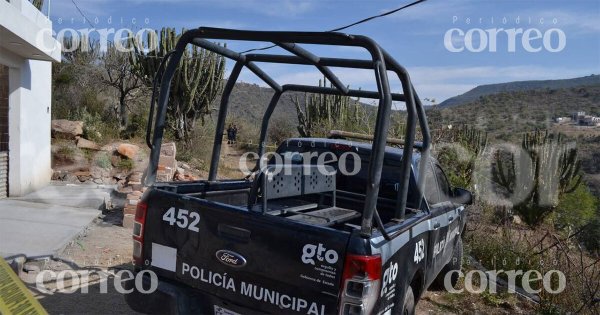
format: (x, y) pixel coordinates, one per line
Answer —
(79, 160)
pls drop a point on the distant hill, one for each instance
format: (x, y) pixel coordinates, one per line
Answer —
(248, 103)
(505, 116)
(490, 89)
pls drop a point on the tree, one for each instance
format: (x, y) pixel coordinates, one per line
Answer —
(75, 79)
(119, 74)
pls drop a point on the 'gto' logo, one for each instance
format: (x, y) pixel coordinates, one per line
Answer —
(230, 258)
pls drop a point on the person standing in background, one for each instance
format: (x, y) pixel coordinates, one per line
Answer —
(230, 134)
(235, 131)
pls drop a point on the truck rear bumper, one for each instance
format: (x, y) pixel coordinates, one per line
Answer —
(171, 298)
(166, 299)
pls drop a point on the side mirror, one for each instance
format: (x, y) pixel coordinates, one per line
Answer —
(462, 196)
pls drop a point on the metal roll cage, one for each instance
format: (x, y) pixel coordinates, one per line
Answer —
(380, 63)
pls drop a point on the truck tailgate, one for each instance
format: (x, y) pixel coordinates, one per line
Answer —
(259, 262)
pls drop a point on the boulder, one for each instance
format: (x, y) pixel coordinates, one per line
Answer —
(517, 220)
(109, 147)
(83, 176)
(87, 144)
(66, 129)
(98, 172)
(128, 150)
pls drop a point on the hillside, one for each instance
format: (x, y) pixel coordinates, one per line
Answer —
(506, 116)
(248, 103)
(489, 89)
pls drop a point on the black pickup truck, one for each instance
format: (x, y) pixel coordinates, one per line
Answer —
(303, 236)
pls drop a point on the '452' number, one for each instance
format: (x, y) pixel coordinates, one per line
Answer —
(419, 251)
(183, 218)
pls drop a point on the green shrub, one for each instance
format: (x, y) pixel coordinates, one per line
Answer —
(575, 209)
(66, 151)
(103, 160)
(96, 127)
(125, 164)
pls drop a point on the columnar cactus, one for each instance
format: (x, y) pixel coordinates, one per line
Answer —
(475, 140)
(458, 149)
(321, 113)
(195, 85)
(550, 165)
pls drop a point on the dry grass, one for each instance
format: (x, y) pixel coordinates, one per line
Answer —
(503, 245)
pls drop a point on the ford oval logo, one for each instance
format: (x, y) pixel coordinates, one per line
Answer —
(230, 258)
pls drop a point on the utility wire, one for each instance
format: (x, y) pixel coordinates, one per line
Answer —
(350, 25)
(332, 30)
(83, 15)
(111, 42)
(377, 16)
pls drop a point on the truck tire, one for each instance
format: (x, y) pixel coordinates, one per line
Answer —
(409, 302)
(454, 264)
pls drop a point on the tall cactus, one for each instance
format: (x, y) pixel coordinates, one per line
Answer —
(321, 113)
(458, 150)
(475, 140)
(551, 168)
(195, 85)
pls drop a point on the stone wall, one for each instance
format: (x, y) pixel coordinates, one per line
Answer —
(167, 167)
(167, 164)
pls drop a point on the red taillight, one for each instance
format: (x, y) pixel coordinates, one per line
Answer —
(361, 283)
(140, 212)
(138, 232)
(362, 266)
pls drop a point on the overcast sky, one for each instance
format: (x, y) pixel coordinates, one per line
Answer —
(564, 36)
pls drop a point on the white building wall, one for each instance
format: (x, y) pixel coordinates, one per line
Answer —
(30, 91)
(27, 47)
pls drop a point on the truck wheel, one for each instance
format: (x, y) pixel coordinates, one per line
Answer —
(409, 302)
(454, 264)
